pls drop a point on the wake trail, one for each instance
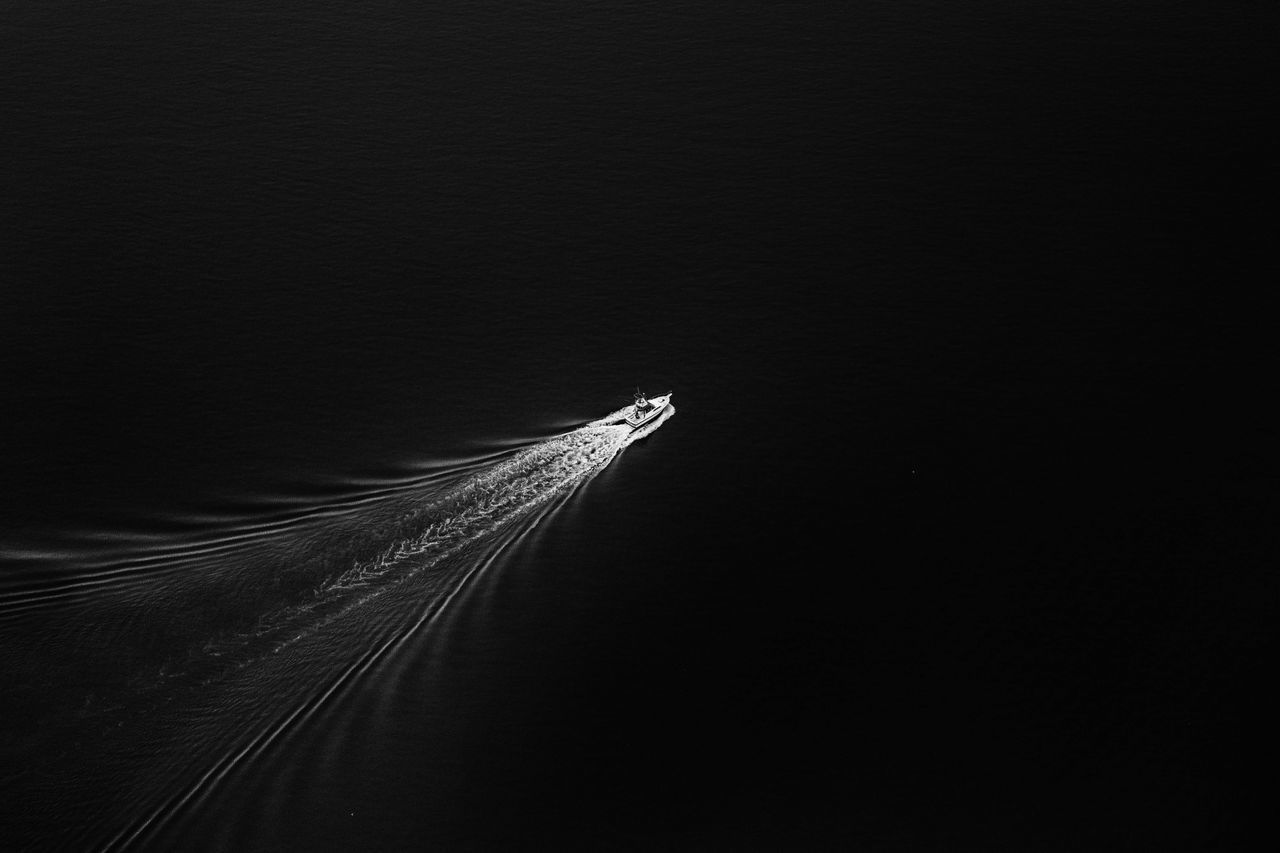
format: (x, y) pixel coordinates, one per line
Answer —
(307, 646)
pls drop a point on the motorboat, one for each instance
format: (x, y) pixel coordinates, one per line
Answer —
(646, 409)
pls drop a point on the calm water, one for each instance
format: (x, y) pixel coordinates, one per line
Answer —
(961, 537)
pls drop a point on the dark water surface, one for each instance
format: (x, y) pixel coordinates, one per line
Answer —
(962, 536)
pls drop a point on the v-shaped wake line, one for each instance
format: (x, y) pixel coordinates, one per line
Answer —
(349, 622)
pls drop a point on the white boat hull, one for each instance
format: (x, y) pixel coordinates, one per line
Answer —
(657, 405)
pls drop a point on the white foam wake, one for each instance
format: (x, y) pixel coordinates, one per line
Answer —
(470, 510)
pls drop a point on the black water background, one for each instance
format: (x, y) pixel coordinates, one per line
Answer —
(964, 521)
